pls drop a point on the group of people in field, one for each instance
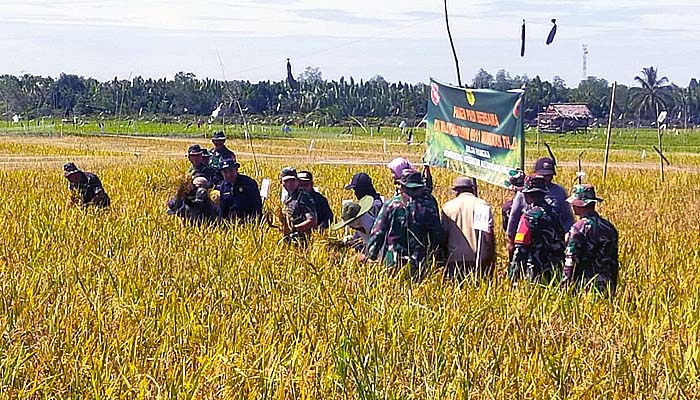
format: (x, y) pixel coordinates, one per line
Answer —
(410, 231)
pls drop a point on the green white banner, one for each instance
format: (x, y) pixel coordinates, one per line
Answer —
(476, 132)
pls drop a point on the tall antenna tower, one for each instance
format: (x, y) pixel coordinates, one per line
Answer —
(585, 61)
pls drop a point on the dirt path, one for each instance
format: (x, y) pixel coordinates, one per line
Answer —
(132, 151)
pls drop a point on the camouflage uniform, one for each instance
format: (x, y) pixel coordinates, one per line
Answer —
(539, 244)
(195, 209)
(88, 189)
(591, 251)
(218, 155)
(409, 230)
(295, 208)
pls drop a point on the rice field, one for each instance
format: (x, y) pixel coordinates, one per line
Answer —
(129, 303)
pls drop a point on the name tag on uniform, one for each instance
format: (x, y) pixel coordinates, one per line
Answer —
(481, 217)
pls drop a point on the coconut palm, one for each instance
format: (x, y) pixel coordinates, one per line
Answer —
(653, 95)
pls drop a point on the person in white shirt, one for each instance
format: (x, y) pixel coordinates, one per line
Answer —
(463, 242)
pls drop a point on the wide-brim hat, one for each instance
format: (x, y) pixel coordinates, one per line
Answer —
(352, 211)
(462, 182)
(218, 136)
(411, 179)
(194, 149)
(583, 195)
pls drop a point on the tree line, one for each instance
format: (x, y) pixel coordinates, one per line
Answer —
(320, 101)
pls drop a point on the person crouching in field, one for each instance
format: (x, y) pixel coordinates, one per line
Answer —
(85, 187)
(539, 239)
(192, 203)
(239, 194)
(591, 250)
(357, 216)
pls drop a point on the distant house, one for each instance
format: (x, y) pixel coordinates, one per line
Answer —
(565, 117)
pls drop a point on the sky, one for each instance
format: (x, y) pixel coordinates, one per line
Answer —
(401, 40)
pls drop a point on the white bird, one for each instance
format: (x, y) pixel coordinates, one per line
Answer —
(215, 113)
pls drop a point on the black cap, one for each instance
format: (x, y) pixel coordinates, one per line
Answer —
(288, 173)
(218, 136)
(360, 179)
(305, 176)
(228, 163)
(545, 166)
(69, 168)
(194, 149)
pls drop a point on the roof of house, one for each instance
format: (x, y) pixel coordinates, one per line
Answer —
(569, 110)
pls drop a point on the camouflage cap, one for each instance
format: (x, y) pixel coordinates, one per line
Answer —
(201, 196)
(583, 195)
(534, 183)
(516, 180)
(411, 179)
(288, 173)
(305, 176)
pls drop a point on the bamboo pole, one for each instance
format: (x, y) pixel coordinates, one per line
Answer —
(607, 139)
(454, 52)
(661, 149)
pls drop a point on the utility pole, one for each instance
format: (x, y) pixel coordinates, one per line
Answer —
(585, 62)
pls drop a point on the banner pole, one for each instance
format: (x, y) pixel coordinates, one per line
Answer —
(523, 107)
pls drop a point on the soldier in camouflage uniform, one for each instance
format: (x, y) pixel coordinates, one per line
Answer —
(220, 152)
(407, 228)
(299, 216)
(85, 187)
(199, 168)
(591, 251)
(539, 244)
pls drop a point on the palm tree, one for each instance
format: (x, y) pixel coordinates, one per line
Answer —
(654, 93)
